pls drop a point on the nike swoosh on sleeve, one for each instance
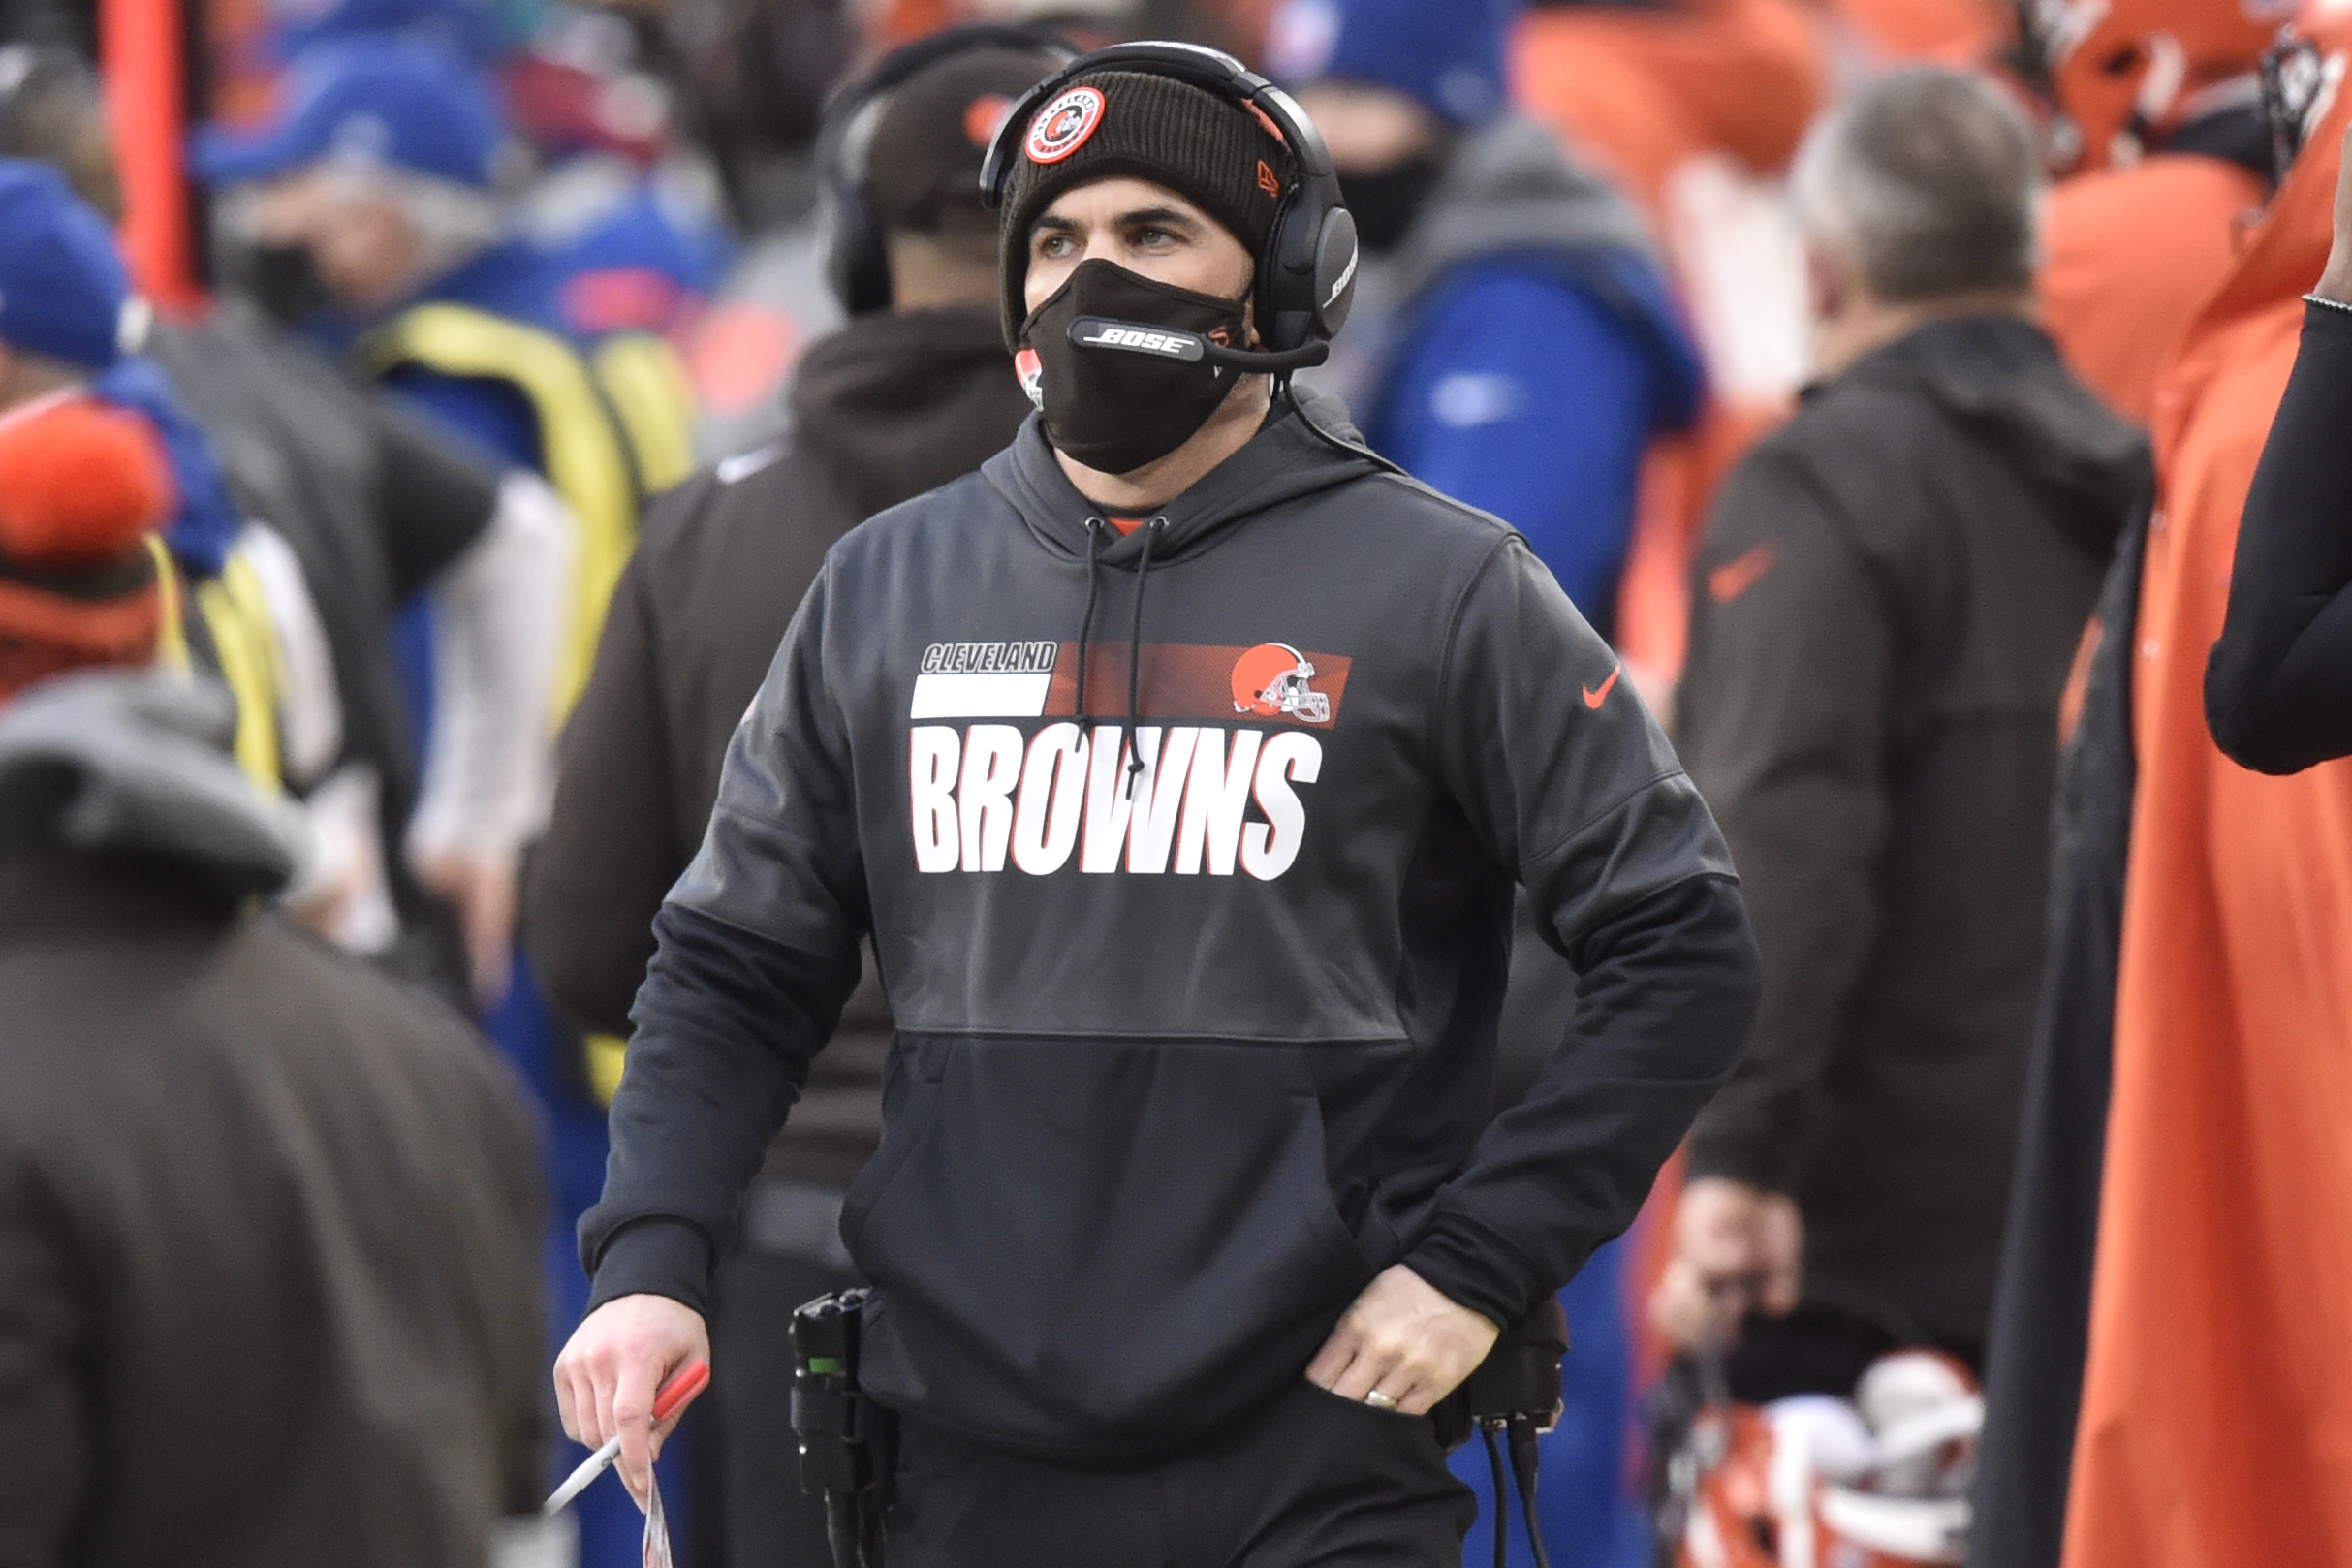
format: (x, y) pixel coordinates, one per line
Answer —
(1736, 577)
(1595, 699)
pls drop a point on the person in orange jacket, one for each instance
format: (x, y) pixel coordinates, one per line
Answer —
(2204, 1133)
(2220, 1302)
(2162, 99)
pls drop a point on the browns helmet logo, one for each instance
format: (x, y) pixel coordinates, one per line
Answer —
(1062, 126)
(1271, 681)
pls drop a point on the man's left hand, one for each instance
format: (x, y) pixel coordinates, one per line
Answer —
(483, 889)
(1405, 1340)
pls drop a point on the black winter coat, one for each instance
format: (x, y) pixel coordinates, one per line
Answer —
(376, 505)
(269, 1291)
(1892, 590)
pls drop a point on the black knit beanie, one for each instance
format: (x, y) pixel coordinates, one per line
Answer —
(1215, 152)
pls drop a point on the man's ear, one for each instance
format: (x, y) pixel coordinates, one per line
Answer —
(1830, 283)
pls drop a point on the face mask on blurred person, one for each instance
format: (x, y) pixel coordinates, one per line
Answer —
(1384, 201)
(284, 280)
(1112, 409)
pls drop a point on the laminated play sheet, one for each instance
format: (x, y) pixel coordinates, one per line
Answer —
(657, 1529)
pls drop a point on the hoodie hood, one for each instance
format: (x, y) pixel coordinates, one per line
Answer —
(1286, 459)
(900, 402)
(124, 762)
(1510, 187)
(2003, 376)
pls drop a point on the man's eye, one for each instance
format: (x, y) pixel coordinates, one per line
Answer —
(1053, 245)
(1153, 237)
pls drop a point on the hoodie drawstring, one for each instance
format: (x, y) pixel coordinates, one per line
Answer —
(1135, 654)
(1086, 621)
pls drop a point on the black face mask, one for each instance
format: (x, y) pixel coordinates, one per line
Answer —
(1112, 410)
(284, 281)
(1384, 201)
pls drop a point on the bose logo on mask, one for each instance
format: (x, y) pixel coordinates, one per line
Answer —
(1094, 332)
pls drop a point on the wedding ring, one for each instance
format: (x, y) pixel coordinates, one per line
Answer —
(1379, 1400)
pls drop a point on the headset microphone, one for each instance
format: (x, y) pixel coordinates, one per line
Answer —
(1102, 335)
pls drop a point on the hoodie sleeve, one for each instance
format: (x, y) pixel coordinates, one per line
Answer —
(1565, 776)
(755, 951)
(608, 857)
(2278, 686)
(1783, 716)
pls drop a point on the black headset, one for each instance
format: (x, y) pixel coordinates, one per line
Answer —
(850, 238)
(1307, 273)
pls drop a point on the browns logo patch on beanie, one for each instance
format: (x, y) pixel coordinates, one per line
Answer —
(1222, 156)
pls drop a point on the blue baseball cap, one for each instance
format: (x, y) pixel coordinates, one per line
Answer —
(401, 101)
(62, 286)
(1447, 55)
(477, 29)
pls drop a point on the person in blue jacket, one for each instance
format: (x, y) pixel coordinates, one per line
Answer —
(629, 218)
(1514, 343)
(380, 177)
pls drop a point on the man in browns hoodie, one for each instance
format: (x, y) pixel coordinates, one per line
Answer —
(1180, 764)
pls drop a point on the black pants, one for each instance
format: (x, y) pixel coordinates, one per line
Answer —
(1313, 1481)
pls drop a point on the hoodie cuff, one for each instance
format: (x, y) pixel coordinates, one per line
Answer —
(1472, 1266)
(655, 1257)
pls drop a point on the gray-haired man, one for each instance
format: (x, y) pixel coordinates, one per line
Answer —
(1889, 596)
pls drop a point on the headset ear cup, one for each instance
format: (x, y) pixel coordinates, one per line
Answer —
(857, 262)
(1336, 254)
(1285, 313)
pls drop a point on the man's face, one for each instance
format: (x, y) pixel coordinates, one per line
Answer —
(1148, 229)
(358, 238)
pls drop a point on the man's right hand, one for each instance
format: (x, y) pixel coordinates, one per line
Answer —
(1737, 1249)
(605, 1378)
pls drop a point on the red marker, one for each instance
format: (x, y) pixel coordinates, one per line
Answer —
(674, 1394)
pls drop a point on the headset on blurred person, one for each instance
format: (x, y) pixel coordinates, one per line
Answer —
(852, 240)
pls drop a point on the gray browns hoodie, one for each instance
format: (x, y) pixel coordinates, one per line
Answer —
(1188, 856)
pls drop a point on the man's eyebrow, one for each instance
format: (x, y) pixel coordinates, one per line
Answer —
(1055, 222)
(1159, 215)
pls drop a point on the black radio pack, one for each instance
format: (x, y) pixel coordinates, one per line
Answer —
(848, 1443)
(1515, 1394)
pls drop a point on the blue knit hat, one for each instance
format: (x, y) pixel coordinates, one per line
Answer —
(1446, 53)
(402, 102)
(62, 286)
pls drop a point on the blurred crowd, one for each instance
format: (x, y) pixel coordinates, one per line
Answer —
(1884, 378)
